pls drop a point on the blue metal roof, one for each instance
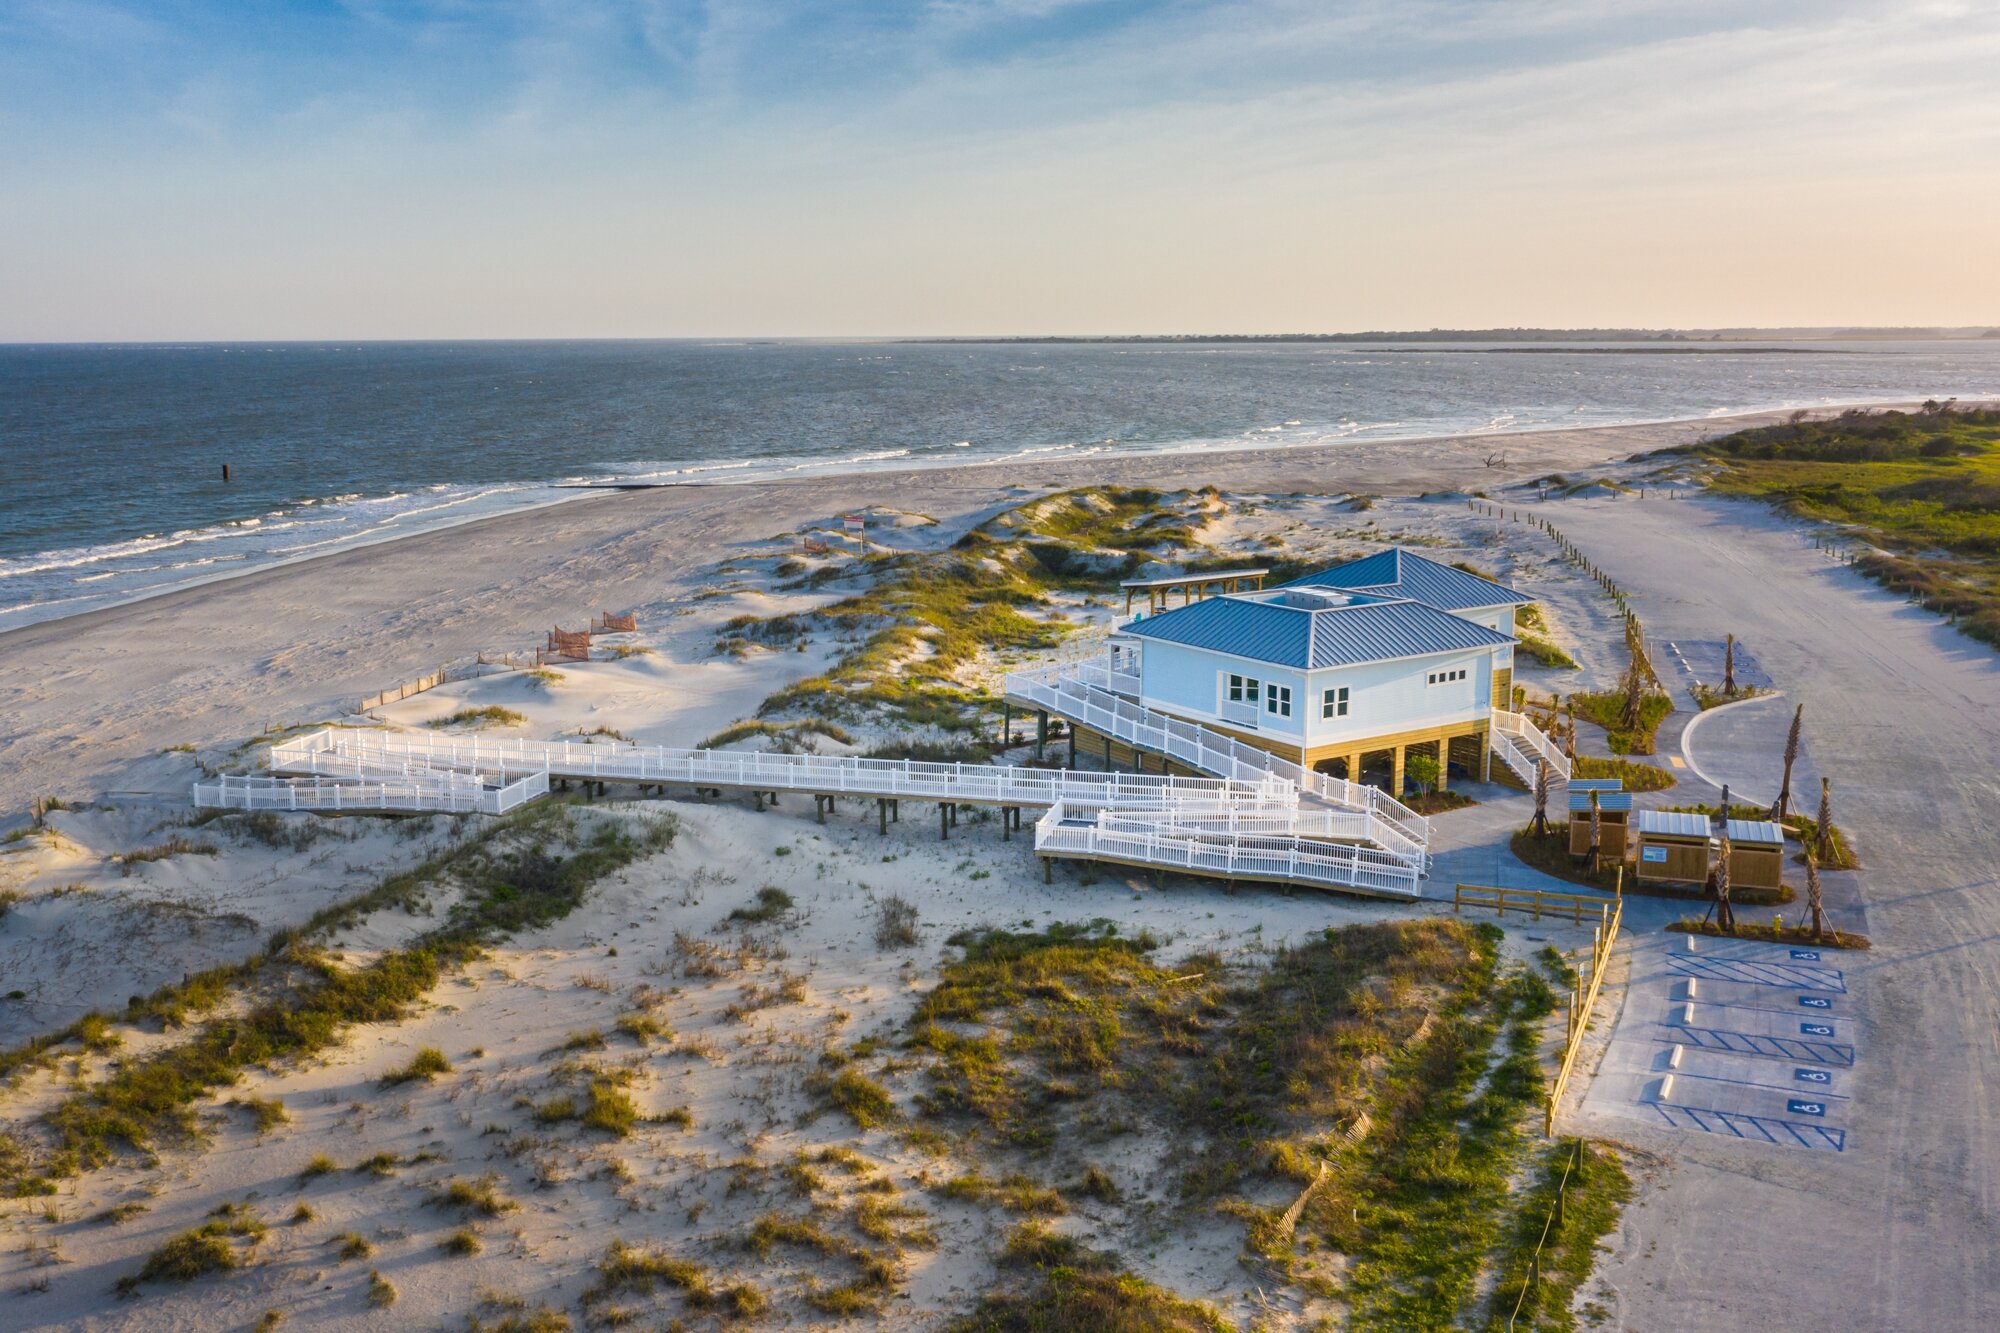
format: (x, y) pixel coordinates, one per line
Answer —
(1674, 823)
(1400, 573)
(1755, 830)
(1597, 784)
(1579, 801)
(1265, 629)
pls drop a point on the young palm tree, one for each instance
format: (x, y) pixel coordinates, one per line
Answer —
(1824, 849)
(1596, 833)
(1814, 904)
(1729, 664)
(1635, 693)
(1784, 802)
(1541, 798)
(1724, 917)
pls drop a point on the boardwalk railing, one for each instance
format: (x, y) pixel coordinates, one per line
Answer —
(453, 793)
(1082, 693)
(1519, 743)
(1167, 842)
(746, 771)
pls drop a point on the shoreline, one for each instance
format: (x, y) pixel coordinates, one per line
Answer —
(546, 493)
(92, 697)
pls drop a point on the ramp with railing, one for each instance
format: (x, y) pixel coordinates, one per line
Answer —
(434, 793)
(342, 750)
(1248, 827)
(1165, 841)
(1083, 693)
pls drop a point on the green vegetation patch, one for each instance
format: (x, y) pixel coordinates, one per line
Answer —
(1578, 1193)
(1607, 710)
(924, 617)
(1054, 1282)
(1635, 775)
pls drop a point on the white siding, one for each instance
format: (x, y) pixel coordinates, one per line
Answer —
(1190, 682)
(1386, 697)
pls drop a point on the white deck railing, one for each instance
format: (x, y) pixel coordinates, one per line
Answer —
(1081, 692)
(450, 793)
(1161, 840)
(1526, 744)
(890, 779)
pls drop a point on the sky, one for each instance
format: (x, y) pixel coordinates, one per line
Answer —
(203, 169)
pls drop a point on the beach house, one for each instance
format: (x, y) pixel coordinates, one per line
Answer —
(1349, 671)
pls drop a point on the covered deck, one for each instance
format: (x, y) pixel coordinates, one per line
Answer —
(1193, 587)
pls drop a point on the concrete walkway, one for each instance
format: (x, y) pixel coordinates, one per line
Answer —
(1899, 1228)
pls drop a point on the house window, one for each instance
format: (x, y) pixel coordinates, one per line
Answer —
(1333, 703)
(1244, 690)
(1445, 677)
(1278, 700)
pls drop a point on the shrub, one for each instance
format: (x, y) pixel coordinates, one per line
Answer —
(896, 922)
(424, 1066)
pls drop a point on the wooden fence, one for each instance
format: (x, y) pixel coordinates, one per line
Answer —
(1583, 992)
(404, 691)
(1582, 999)
(1538, 903)
(611, 624)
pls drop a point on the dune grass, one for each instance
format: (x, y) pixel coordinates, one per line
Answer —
(524, 871)
(491, 715)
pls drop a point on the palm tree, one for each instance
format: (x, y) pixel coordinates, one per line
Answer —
(1814, 905)
(1541, 798)
(1596, 832)
(1824, 849)
(1724, 917)
(1635, 693)
(1729, 664)
(1784, 802)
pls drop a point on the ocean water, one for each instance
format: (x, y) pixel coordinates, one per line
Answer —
(111, 457)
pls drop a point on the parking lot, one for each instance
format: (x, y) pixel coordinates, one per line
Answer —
(1738, 1038)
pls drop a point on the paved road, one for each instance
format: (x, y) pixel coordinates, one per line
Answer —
(1900, 1230)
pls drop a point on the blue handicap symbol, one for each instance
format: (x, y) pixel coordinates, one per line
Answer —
(1812, 1076)
(1816, 1029)
(1806, 955)
(1815, 1002)
(1799, 1106)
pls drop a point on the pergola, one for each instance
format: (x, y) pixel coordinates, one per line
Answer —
(1193, 587)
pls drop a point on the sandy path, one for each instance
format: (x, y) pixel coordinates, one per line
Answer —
(1904, 715)
(81, 699)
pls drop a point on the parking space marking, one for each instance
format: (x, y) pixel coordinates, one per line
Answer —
(1770, 1048)
(1798, 976)
(1767, 1129)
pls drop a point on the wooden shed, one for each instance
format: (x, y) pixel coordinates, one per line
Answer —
(1756, 854)
(1674, 847)
(1614, 812)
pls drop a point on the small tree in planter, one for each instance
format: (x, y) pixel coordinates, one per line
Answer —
(1421, 771)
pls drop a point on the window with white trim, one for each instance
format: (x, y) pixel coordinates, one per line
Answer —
(1244, 690)
(1445, 677)
(1278, 700)
(1333, 702)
